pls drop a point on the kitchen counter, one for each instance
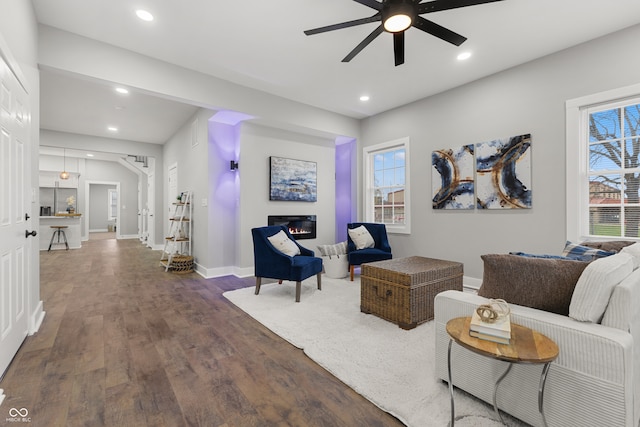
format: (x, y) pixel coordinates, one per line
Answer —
(73, 231)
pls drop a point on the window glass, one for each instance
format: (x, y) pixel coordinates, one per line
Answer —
(387, 190)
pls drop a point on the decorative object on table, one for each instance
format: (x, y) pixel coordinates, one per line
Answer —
(70, 202)
(503, 173)
(452, 178)
(292, 180)
(492, 322)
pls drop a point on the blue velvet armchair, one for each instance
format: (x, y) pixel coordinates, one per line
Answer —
(380, 252)
(271, 263)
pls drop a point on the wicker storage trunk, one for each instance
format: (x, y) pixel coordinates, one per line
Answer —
(402, 290)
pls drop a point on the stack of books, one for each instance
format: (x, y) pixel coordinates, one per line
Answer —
(499, 331)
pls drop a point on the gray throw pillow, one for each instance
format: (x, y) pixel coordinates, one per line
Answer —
(543, 283)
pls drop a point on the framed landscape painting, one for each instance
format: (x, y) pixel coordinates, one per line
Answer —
(292, 180)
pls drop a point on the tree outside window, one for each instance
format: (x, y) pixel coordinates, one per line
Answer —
(614, 171)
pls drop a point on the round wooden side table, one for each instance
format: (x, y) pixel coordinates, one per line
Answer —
(526, 346)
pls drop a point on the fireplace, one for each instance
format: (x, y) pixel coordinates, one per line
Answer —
(300, 226)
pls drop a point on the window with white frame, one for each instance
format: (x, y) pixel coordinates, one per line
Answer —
(603, 166)
(387, 185)
(112, 204)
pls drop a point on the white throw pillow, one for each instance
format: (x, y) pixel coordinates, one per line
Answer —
(595, 285)
(337, 249)
(361, 237)
(284, 244)
(634, 251)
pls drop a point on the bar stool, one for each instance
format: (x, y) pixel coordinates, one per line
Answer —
(59, 230)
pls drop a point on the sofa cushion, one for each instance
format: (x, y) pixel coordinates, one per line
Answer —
(593, 290)
(634, 251)
(543, 283)
(284, 244)
(584, 253)
(623, 304)
(611, 246)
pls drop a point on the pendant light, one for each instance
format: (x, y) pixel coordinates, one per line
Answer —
(64, 174)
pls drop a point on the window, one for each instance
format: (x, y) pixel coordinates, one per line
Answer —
(112, 204)
(603, 166)
(387, 185)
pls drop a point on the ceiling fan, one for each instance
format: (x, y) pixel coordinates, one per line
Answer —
(396, 17)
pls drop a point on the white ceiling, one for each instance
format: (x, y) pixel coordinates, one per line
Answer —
(260, 44)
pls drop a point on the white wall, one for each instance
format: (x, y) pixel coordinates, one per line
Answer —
(193, 172)
(526, 99)
(257, 144)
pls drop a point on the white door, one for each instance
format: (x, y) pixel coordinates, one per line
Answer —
(151, 200)
(15, 170)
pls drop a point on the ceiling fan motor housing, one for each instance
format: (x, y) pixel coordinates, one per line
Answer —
(393, 8)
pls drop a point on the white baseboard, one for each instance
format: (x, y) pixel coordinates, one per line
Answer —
(128, 236)
(99, 230)
(2, 396)
(36, 319)
(209, 273)
(471, 283)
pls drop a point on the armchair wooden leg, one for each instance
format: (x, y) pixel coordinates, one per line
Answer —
(320, 281)
(258, 283)
(280, 282)
(352, 269)
(298, 287)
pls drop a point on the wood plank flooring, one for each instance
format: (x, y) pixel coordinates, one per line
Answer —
(125, 344)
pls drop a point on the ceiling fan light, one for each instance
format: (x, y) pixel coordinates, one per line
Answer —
(397, 23)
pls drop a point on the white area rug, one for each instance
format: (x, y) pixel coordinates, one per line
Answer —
(391, 367)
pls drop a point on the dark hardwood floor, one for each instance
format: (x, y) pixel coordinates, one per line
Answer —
(125, 344)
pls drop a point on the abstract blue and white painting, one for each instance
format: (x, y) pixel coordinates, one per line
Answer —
(293, 180)
(503, 173)
(452, 178)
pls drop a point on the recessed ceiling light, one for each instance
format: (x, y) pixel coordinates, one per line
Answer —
(364, 98)
(112, 129)
(144, 15)
(464, 55)
(122, 90)
(89, 155)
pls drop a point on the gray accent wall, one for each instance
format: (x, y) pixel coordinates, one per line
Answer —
(526, 99)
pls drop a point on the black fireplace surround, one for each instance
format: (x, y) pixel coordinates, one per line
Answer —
(300, 226)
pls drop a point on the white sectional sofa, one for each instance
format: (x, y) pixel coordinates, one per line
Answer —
(595, 381)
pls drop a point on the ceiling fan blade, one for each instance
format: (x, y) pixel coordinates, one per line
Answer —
(342, 25)
(375, 33)
(438, 31)
(371, 3)
(439, 5)
(398, 48)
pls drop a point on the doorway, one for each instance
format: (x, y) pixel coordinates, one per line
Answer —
(102, 218)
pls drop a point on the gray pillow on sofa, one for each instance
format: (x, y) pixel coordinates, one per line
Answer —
(543, 283)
